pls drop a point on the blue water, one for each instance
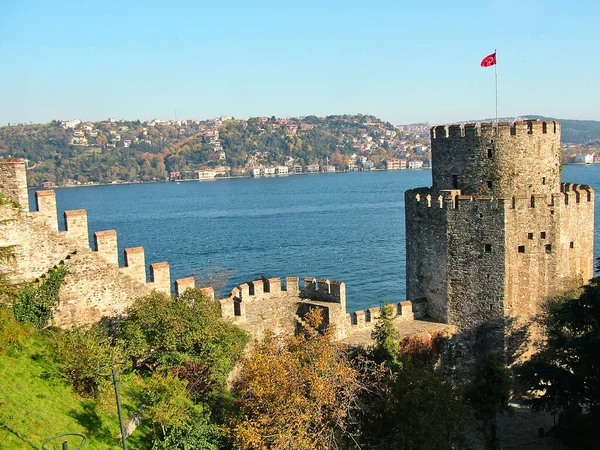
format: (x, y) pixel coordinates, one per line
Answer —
(347, 227)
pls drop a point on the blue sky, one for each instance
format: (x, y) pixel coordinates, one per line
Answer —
(402, 61)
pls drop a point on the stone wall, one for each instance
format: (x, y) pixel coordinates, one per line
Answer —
(481, 261)
(281, 305)
(95, 285)
(521, 159)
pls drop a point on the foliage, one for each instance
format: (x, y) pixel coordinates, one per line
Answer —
(35, 303)
(163, 332)
(6, 201)
(489, 393)
(387, 339)
(421, 410)
(564, 375)
(194, 436)
(414, 406)
(165, 402)
(297, 392)
(13, 335)
(85, 358)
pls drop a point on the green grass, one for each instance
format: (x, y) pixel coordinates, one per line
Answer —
(36, 404)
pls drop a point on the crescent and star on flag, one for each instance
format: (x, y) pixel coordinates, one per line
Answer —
(488, 61)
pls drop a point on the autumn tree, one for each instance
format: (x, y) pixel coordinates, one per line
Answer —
(414, 405)
(296, 392)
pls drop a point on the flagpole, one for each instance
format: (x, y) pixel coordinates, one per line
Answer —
(496, 67)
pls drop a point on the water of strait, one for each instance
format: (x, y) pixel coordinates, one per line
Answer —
(348, 227)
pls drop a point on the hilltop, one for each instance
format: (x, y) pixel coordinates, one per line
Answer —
(70, 153)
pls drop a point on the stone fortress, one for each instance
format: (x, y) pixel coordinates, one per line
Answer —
(96, 287)
(495, 235)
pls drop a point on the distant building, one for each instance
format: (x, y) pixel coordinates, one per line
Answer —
(396, 164)
(415, 164)
(312, 168)
(206, 174)
(282, 170)
(268, 171)
(255, 172)
(330, 168)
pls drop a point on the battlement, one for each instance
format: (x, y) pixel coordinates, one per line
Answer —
(452, 199)
(488, 130)
(402, 311)
(13, 181)
(266, 304)
(100, 287)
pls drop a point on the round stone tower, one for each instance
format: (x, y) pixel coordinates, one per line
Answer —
(521, 159)
(498, 233)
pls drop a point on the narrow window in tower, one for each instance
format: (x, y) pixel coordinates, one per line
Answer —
(454, 181)
(489, 152)
(548, 248)
(521, 248)
(487, 248)
(529, 235)
(489, 184)
(543, 180)
(571, 244)
(491, 306)
(543, 235)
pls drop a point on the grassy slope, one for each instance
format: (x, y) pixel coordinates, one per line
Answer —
(36, 404)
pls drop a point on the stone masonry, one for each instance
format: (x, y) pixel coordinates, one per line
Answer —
(96, 287)
(497, 233)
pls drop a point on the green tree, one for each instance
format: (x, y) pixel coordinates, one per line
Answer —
(165, 402)
(161, 332)
(84, 357)
(489, 395)
(564, 375)
(387, 339)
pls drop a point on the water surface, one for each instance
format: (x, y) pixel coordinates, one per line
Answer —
(347, 227)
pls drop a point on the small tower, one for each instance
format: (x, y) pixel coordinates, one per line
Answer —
(498, 232)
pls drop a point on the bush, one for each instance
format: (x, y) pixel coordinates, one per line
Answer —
(12, 333)
(85, 358)
(35, 303)
(160, 332)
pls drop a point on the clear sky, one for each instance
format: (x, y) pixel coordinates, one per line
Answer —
(402, 61)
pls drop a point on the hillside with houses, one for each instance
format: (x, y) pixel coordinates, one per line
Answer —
(75, 152)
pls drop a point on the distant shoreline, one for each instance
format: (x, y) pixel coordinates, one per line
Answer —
(215, 179)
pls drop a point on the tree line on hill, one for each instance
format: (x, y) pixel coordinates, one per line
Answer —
(131, 151)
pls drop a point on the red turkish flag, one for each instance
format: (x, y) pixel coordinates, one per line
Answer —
(489, 60)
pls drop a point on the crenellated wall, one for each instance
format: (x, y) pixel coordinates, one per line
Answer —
(524, 248)
(280, 305)
(481, 253)
(518, 158)
(95, 286)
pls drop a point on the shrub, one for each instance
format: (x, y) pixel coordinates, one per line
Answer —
(85, 358)
(35, 303)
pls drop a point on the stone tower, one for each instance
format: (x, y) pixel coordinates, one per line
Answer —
(498, 232)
